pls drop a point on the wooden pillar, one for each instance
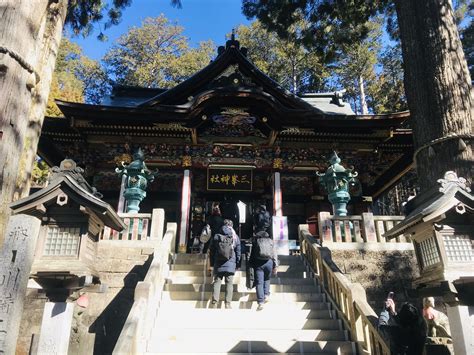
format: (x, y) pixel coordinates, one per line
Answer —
(277, 197)
(185, 211)
(121, 204)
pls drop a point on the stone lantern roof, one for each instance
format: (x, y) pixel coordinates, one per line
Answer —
(67, 182)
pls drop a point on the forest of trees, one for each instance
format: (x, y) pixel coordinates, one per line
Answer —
(157, 54)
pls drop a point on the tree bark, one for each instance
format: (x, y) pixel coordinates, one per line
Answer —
(30, 32)
(363, 101)
(438, 88)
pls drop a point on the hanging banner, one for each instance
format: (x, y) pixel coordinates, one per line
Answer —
(280, 234)
(229, 179)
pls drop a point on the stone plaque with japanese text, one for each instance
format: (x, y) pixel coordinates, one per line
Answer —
(16, 258)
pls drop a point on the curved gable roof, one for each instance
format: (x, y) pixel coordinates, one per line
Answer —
(231, 55)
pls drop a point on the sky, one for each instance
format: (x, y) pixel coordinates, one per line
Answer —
(201, 19)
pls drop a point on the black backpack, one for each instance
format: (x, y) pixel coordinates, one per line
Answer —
(225, 247)
(264, 248)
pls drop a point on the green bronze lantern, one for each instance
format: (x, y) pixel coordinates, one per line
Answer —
(138, 176)
(337, 180)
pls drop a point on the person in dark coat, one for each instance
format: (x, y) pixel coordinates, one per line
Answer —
(263, 270)
(215, 222)
(224, 269)
(405, 331)
(262, 219)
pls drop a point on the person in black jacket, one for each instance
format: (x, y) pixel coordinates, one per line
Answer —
(216, 222)
(262, 219)
(224, 268)
(405, 330)
(263, 268)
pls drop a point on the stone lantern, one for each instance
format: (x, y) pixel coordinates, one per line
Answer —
(440, 223)
(337, 180)
(138, 176)
(52, 239)
(72, 217)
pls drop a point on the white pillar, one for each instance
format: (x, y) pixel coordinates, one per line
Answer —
(277, 199)
(55, 328)
(461, 323)
(121, 203)
(185, 211)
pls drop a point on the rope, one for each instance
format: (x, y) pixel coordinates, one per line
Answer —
(23, 63)
(441, 140)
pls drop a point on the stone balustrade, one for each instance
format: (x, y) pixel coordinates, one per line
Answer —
(349, 298)
(140, 321)
(139, 226)
(365, 228)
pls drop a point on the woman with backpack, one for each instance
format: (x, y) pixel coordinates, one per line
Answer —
(225, 255)
(264, 260)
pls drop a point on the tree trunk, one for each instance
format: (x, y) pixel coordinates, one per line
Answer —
(363, 101)
(30, 32)
(438, 89)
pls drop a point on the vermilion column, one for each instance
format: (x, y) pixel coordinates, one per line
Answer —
(277, 197)
(185, 211)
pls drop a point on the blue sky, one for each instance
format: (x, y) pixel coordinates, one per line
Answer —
(201, 19)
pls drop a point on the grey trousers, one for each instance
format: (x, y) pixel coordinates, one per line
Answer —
(229, 286)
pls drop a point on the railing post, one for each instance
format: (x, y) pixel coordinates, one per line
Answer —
(325, 226)
(357, 292)
(157, 223)
(368, 227)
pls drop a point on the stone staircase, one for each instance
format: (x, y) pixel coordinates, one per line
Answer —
(298, 319)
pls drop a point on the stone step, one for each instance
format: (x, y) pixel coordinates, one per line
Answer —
(237, 319)
(183, 271)
(275, 306)
(245, 296)
(280, 313)
(238, 287)
(245, 341)
(200, 259)
(176, 278)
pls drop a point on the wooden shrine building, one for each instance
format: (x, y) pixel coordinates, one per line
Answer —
(226, 134)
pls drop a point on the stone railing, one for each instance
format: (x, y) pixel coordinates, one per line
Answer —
(136, 330)
(349, 298)
(139, 226)
(365, 228)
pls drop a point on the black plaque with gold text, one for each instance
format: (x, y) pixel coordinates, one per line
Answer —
(229, 179)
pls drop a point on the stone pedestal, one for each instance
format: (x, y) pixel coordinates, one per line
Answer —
(55, 328)
(461, 322)
(16, 259)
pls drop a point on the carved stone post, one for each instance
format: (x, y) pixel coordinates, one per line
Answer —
(16, 259)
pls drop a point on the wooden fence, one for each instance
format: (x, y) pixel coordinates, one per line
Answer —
(357, 229)
(139, 226)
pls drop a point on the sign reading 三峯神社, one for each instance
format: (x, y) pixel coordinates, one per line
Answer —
(229, 179)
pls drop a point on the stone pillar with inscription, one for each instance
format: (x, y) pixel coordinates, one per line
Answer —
(55, 328)
(16, 258)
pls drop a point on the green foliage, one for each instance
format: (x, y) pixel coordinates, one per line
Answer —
(355, 71)
(76, 78)
(40, 173)
(331, 23)
(157, 54)
(284, 60)
(390, 94)
(83, 14)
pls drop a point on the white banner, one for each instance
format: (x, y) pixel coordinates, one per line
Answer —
(280, 234)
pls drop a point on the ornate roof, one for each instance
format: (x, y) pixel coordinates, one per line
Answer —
(230, 104)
